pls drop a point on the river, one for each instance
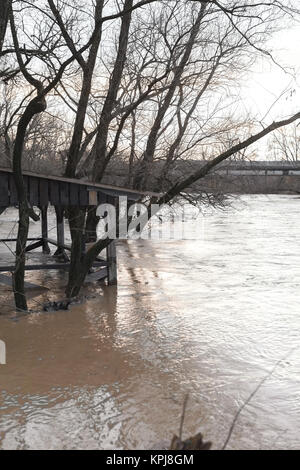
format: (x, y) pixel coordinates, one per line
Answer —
(210, 317)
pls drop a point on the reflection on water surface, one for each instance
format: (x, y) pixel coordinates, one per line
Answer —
(210, 317)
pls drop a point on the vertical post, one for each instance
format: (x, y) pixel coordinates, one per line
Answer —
(44, 223)
(83, 246)
(111, 254)
(60, 229)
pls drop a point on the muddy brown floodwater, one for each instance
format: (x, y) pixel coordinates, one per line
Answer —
(209, 317)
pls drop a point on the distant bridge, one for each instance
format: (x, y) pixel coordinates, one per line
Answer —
(248, 177)
(255, 177)
(255, 168)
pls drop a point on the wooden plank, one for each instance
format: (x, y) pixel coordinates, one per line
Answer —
(74, 194)
(55, 243)
(111, 200)
(97, 276)
(14, 239)
(83, 196)
(34, 191)
(68, 247)
(44, 192)
(4, 195)
(54, 193)
(93, 199)
(101, 198)
(116, 190)
(44, 227)
(13, 195)
(64, 194)
(7, 280)
(33, 246)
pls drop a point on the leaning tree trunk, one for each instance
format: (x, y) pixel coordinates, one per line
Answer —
(35, 106)
(77, 277)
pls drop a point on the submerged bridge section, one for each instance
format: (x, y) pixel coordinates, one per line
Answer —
(60, 192)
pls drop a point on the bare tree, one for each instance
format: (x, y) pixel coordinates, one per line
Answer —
(35, 106)
(285, 144)
(164, 92)
(45, 138)
(54, 69)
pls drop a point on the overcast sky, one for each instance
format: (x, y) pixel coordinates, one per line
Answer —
(267, 94)
(268, 81)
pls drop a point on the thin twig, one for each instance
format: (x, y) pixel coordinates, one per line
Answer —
(183, 415)
(252, 395)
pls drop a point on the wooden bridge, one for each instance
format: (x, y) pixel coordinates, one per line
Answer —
(45, 190)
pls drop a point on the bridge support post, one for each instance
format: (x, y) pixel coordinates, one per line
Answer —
(60, 229)
(111, 253)
(44, 223)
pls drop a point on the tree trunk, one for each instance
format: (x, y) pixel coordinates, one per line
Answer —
(88, 71)
(106, 115)
(19, 273)
(92, 221)
(35, 106)
(82, 268)
(81, 263)
(143, 169)
(132, 150)
(76, 217)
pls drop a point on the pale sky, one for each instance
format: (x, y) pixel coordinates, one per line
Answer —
(268, 81)
(269, 93)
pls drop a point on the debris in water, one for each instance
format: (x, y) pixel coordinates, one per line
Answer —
(192, 443)
(55, 306)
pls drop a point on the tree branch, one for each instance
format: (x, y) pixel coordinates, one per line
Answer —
(207, 167)
(69, 41)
